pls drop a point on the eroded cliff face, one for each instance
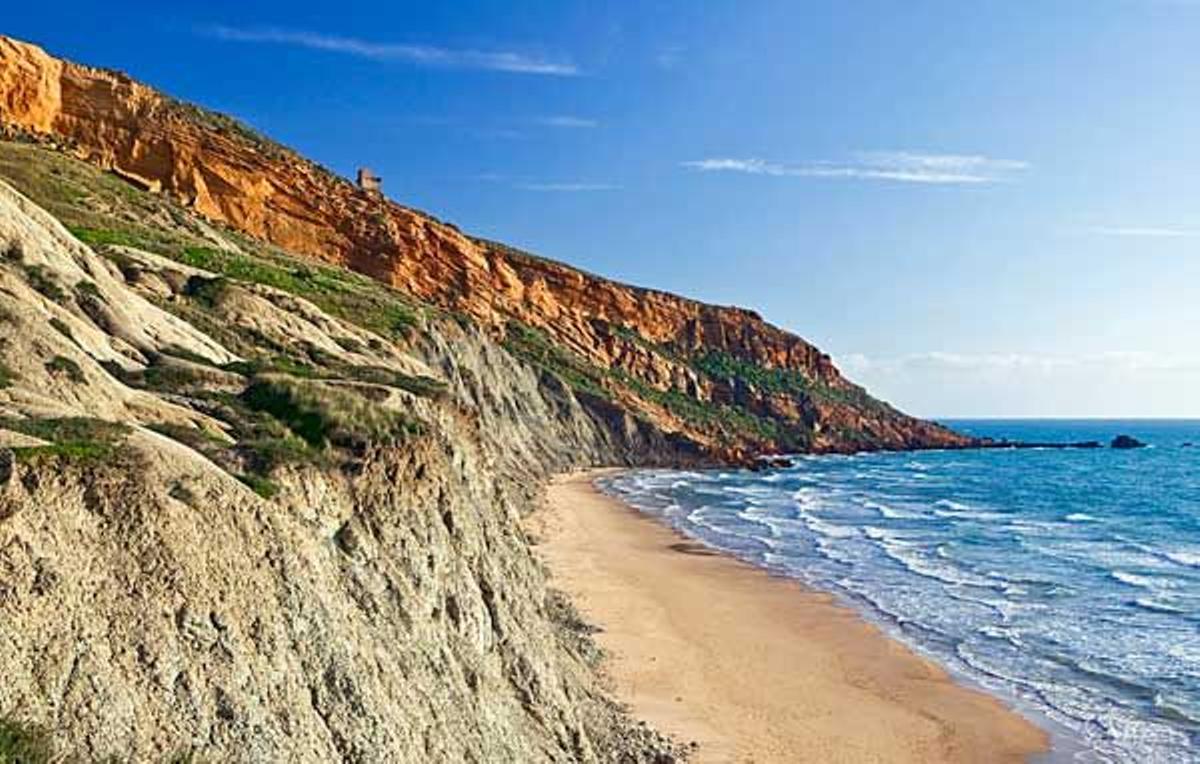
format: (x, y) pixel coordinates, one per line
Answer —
(253, 508)
(719, 376)
(234, 527)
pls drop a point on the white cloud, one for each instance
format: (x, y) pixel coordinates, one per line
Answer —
(897, 166)
(1145, 232)
(427, 55)
(752, 166)
(567, 187)
(564, 120)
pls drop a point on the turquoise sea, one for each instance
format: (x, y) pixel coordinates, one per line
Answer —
(1065, 581)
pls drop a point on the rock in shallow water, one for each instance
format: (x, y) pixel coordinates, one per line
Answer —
(1126, 441)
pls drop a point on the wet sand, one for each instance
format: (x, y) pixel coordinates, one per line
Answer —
(754, 667)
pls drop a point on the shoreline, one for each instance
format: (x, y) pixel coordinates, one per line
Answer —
(755, 667)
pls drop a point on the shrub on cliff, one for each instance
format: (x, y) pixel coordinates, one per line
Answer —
(60, 364)
(323, 414)
(24, 744)
(78, 438)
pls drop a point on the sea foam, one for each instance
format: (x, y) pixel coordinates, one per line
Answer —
(1068, 586)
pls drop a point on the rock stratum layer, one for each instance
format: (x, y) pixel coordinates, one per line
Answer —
(265, 441)
(720, 377)
(234, 527)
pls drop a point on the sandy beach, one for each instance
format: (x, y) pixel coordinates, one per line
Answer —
(753, 667)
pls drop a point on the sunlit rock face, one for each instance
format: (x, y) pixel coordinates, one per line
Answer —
(650, 352)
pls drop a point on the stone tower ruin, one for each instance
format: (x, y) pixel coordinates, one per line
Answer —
(369, 181)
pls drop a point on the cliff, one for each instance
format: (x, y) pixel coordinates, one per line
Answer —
(235, 527)
(265, 442)
(720, 377)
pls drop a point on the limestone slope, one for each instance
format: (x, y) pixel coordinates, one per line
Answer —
(236, 527)
(719, 376)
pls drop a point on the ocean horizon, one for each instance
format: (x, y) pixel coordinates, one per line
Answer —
(1066, 582)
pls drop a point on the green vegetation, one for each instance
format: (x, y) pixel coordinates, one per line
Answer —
(207, 292)
(534, 347)
(264, 487)
(263, 442)
(424, 387)
(90, 201)
(349, 296)
(62, 365)
(254, 270)
(41, 280)
(99, 208)
(723, 366)
(280, 418)
(288, 411)
(61, 327)
(74, 438)
(624, 332)
(276, 364)
(190, 436)
(88, 288)
(161, 377)
(100, 237)
(719, 417)
(7, 376)
(176, 351)
(284, 411)
(24, 744)
(322, 414)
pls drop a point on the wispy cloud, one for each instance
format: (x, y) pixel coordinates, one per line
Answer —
(897, 166)
(567, 121)
(567, 187)
(1144, 232)
(752, 166)
(425, 55)
(1024, 363)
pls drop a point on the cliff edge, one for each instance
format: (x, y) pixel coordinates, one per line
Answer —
(721, 377)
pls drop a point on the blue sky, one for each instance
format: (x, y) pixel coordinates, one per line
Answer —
(977, 207)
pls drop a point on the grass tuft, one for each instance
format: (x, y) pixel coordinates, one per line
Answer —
(264, 487)
(73, 438)
(41, 280)
(323, 415)
(207, 292)
(424, 387)
(61, 327)
(101, 237)
(62, 365)
(87, 287)
(24, 744)
(277, 364)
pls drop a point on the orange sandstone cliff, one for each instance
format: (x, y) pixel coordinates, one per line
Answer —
(720, 376)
